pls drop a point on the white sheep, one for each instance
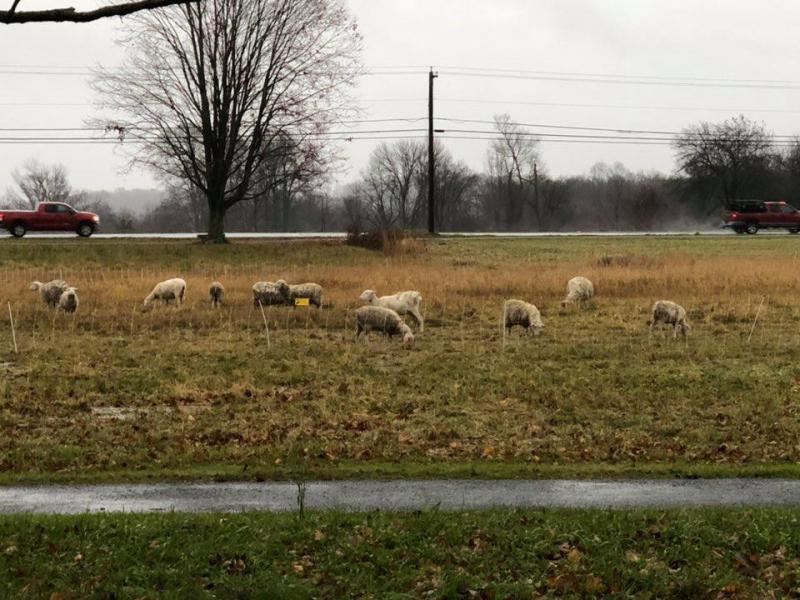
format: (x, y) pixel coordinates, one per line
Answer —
(68, 302)
(312, 291)
(579, 289)
(51, 291)
(216, 293)
(403, 303)
(268, 293)
(166, 291)
(527, 316)
(382, 319)
(669, 313)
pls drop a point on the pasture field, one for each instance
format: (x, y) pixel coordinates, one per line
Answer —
(482, 555)
(115, 393)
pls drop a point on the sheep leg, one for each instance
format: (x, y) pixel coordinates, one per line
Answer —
(418, 318)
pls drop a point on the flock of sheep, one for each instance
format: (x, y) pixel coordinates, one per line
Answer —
(379, 313)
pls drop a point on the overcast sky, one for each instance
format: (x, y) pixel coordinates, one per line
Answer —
(684, 39)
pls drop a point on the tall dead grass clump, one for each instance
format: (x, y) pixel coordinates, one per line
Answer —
(390, 241)
(627, 260)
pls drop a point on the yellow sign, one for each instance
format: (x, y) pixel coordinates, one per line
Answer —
(301, 302)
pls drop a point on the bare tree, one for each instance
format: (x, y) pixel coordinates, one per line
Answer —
(208, 89)
(457, 202)
(725, 160)
(288, 169)
(613, 188)
(513, 160)
(37, 182)
(71, 15)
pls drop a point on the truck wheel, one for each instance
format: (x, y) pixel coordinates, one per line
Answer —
(794, 230)
(18, 230)
(85, 230)
(751, 229)
(738, 230)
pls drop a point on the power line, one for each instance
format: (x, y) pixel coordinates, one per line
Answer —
(584, 128)
(623, 81)
(613, 106)
(621, 76)
(392, 120)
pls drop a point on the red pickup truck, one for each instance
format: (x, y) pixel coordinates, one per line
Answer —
(49, 216)
(748, 216)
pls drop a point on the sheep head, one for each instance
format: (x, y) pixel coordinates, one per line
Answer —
(283, 288)
(408, 339)
(368, 296)
(36, 285)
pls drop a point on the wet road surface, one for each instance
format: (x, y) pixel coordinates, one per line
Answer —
(399, 495)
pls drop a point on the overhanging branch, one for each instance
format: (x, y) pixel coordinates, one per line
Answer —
(61, 15)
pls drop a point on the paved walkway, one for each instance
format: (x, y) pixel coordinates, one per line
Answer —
(400, 495)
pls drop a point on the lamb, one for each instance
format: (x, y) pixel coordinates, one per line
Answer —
(68, 302)
(312, 291)
(669, 313)
(527, 316)
(403, 303)
(216, 293)
(579, 289)
(171, 289)
(51, 291)
(384, 320)
(268, 293)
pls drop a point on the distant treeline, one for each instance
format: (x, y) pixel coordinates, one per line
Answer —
(717, 163)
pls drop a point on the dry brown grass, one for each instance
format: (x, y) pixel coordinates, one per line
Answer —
(594, 388)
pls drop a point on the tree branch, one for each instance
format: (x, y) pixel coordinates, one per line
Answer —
(70, 15)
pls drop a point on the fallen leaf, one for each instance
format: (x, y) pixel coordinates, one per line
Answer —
(574, 556)
(595, 585)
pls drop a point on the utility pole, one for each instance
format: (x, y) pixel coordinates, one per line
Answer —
(431, 165)
(536, 194)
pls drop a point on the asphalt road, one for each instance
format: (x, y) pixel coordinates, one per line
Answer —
(400, 495)
(341, 235)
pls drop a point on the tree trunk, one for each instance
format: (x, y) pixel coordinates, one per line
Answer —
(216, 224)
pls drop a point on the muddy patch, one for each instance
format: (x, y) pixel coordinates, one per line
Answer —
(129, 413)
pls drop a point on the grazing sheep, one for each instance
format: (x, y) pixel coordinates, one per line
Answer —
(523, 314)
(384, 320)
(403, 303)
(51, 291)
(68, 302)
(312, 291)
(579, 289)
(216, 293)
(669, 313)
(267, 293)
(171, 289)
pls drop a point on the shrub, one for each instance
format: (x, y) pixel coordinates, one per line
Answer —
(388, 241)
